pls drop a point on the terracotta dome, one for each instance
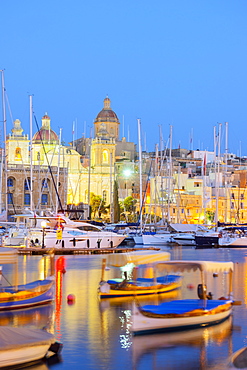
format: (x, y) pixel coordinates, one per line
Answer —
(107, 114)
(45, 135)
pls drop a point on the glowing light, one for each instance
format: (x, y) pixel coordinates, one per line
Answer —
(127, 172)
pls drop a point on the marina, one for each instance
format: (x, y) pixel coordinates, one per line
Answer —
(78, 319)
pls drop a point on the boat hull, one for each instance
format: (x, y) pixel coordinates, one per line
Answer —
(143, 325)
(23, 355)
(140, 292)
(26, 298)
(238, 242)
(206, 241)
(156, 239)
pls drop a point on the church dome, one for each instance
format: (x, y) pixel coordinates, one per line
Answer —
(107, 114)
(45, 134)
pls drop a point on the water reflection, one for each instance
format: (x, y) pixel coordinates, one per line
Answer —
(150, 347)
(95, 334)
(41, 317)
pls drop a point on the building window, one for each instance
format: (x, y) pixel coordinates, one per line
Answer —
(45, 184)
(27, 199)
(105, 156)
(104, 195)
(182, 210)
(242, 205)
(38, 156)
(10, 198)
(18, 154)
(27, 184)
(242, 196)
(10, 182)
(232, 205)
(232, 195)
(188, 212)
(44, 199)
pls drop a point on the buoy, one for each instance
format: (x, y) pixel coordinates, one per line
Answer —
(190, 286)
(71, 299)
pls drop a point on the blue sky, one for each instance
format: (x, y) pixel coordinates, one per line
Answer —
(180, 63)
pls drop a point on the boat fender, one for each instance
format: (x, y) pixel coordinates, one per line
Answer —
(104, 287)
(71, 299)
(202, 291)
(190, 286)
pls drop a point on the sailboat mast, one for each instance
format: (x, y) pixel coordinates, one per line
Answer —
(217, 182)
(4, 147)
(169, 177)
(31, 149)
(140, 168)
(226, 158)
(58, 167)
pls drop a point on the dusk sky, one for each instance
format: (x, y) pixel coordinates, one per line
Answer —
(180, 63)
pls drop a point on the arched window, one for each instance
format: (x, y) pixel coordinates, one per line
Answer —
(105, 156)
(104, 195)
(45, 185)
(18, 154)
(10, 182)
(27, 185)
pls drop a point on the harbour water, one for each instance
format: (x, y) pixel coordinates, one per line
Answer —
(95, 335)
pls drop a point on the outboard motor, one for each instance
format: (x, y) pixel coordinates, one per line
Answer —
(202, 291)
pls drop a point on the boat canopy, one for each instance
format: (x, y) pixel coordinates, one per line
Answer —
(137, 258)
(184, 228)
(209, 266)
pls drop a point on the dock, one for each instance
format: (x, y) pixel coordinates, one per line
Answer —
(76, 251)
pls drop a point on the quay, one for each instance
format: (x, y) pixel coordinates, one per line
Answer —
(72, 251)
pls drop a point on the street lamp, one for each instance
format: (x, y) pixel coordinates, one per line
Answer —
(43, 225)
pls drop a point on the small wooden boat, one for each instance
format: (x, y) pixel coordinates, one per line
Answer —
(16, 296)
(130, 285)
(23, 345)
(186, 313)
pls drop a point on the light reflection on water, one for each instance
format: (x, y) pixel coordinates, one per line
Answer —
(96, 335)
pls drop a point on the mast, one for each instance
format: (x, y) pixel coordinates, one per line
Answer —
(31, 149)
(89, 175)
(226, 158)
(140, 168)
(169, 177)
(4, 149)
(217, 181)
(58, 167)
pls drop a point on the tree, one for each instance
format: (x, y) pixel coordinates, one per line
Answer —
(116, 206)
(129, 204)
(97, 205)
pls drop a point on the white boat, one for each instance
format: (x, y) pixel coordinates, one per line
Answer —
(233, 241)
(233, 236)
(184, 234)
(186, 313)
(183, 239)
(78, 234)
(19, 345)
(156, 239)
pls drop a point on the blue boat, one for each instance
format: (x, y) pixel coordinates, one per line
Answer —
(17, 296)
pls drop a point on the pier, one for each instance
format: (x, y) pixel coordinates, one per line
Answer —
(73, 251)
